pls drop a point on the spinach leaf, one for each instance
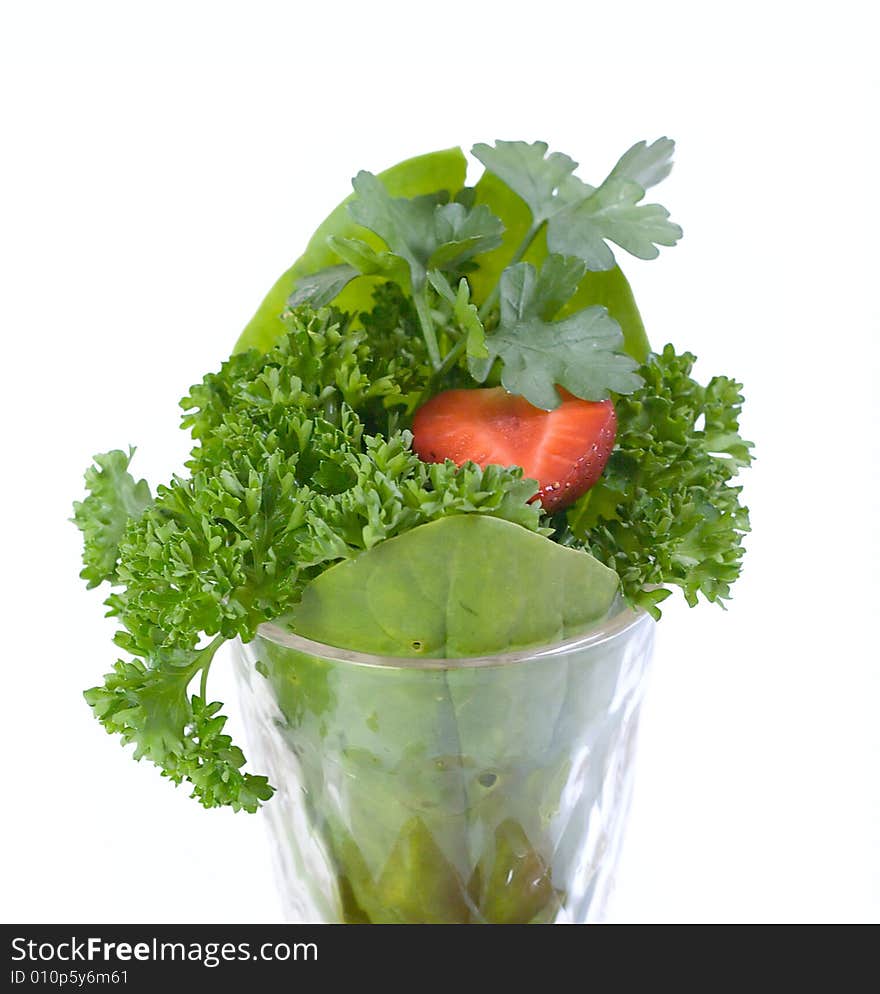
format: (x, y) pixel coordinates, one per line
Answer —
(459, 586)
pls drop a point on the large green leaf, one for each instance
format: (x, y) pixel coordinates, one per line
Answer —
(460, 586)
(444, 170)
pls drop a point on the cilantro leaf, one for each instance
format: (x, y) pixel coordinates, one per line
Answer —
(468, 318)
(441, 170)
(527, 292)
(529, 172)
(461, 233)
(611, 213)
(423, 231)
(114, 499)
(406, 225)
(580, 218)
(464, 314)
(581, 353)
(367, 261)
(645, 164)
(664, 512)
(323, 287)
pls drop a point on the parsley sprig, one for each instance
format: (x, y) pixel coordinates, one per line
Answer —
(665, 512)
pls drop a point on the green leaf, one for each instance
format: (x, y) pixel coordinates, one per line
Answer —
(608, 289)
(405, 225)
(645, 164)
(581, 353)
(423, 174)
(422, 230)
(464, 313)
(517, 220)
(462, 233)
(529, 172)
(468, 319)
(614, 213)
(320, 364)
(439, 282)
(368, 262)
(460, 586)
(285, 483)
(323, 287)
(114, 499)
(579, 217)
(526, 292)
(148, 706)
(611, 290)
(517, 884)
(664, 512)
(439, 898)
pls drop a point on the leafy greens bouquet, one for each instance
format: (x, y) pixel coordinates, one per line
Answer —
(443, 434)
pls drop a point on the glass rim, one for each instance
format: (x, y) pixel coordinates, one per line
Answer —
(603, 631)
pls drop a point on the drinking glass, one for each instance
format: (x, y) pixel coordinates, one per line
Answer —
(469, 790)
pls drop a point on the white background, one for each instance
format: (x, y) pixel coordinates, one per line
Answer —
(164, 162)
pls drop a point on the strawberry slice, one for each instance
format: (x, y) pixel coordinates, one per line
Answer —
(564, 450)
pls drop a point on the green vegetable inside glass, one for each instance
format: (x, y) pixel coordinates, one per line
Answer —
(436, 496)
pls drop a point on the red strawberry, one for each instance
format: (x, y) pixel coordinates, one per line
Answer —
(564, 450)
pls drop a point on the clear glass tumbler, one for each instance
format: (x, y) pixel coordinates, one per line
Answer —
(475, 790)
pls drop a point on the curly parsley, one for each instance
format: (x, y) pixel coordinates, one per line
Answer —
(285, 482)
(665, 511)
